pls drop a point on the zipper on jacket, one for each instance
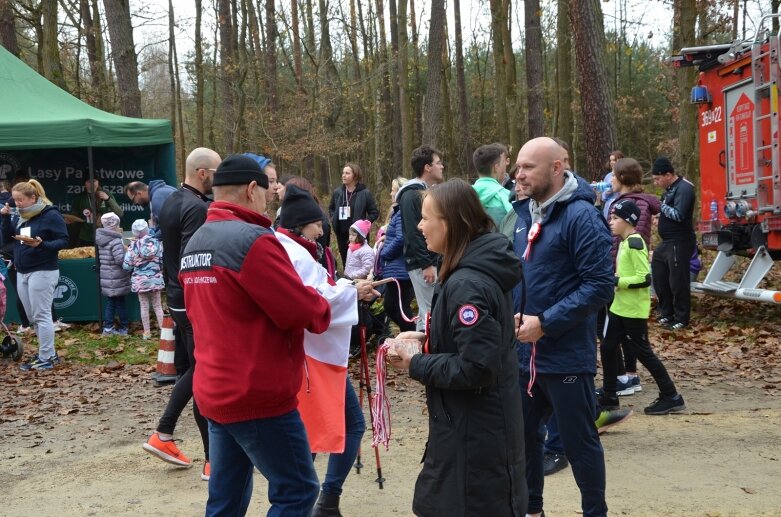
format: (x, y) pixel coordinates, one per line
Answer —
(444, 407)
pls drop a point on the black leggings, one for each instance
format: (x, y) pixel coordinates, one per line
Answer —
(183, 389)
(392, 308)
(633, 332)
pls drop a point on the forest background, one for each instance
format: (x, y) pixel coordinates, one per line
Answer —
(316, 83)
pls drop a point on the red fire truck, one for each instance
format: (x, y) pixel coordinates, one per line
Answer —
(740, 160)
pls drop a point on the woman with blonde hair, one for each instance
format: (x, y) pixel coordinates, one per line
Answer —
(474, 463)
(40, 233)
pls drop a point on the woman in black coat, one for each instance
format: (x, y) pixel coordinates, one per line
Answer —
(474, 462)
(349, 203)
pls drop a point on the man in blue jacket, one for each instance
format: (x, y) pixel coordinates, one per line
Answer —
(565, 248)
(155, 195)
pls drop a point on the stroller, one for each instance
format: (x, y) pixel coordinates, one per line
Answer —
(10, 346)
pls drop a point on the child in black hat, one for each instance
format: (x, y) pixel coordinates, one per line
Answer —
(628, 315)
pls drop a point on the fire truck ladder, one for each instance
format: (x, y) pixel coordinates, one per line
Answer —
(766, 72)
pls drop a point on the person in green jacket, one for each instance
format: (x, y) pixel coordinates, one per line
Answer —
(491, 163)
(83, 208)
(628, 315)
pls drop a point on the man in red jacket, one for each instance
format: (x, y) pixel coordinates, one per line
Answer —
(249, 310)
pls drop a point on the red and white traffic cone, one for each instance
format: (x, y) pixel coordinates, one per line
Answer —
(166, 370)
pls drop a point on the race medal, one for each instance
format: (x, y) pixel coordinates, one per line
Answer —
(534, 233)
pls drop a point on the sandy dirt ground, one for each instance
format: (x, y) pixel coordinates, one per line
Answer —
(75, 449)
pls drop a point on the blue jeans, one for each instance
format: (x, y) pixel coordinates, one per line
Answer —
(115, 306)
(339, 465)
(278, 447)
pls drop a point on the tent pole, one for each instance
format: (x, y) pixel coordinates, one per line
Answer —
(94, 200)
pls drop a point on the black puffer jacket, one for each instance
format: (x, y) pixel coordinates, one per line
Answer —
(474, 462)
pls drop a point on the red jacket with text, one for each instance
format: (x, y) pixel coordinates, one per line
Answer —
(248, 309)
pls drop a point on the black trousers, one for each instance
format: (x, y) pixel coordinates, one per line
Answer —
(183, 389)
(626, 358)
(632, 332)
(670, 271)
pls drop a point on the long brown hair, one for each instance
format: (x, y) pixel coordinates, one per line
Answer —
(629, 173)
(457, 203)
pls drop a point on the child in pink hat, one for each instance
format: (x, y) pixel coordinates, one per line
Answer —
(360, 256)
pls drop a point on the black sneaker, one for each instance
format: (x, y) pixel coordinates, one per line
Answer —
(665, 405)
(553, 462)
(678, 325)
(665, 322)
(607, 403)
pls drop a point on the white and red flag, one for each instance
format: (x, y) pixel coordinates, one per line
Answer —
(321, 398)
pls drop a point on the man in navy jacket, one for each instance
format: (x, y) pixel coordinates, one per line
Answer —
(565, 249)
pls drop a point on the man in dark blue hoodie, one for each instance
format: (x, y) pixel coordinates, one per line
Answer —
(154, 195)
(565, 248)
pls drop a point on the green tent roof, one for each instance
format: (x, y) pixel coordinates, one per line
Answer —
(36, 114)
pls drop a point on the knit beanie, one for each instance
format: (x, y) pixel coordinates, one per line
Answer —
(626, 210)
(299, 208)
(110, 220)
(362, 227)
(238, 169)
(262, 160)
(662, 165)
(140, 228)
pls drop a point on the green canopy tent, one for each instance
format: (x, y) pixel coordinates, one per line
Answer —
(49, 135)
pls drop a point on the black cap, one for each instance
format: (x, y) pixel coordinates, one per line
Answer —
(662, 165)
(626, 210)
(299, 208)
(239, 170)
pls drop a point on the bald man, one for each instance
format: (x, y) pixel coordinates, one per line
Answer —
(565, 247)
(182, 214)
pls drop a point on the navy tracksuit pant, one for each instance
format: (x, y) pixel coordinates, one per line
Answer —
(572, 399)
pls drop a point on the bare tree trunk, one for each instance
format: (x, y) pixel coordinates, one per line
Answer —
(511, 83)
(432, 107)
(331, 72)
(416, 106)
(597, 110)
(97, 65)
(498, 22)
(464, 146)
(123, 51)
(52, 66)
(8, 28)
(404, 91)
(296, 44)
(228, 72)
(564, 74)
(176, 87)
(271, 55)
(446, 139)
(684, 35)
(534, 82)
(199, 79)
(395, 91)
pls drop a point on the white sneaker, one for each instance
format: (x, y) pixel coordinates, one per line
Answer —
(23, 330)
(61, 325)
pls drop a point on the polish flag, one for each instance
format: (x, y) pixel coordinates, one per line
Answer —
(321, 398)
